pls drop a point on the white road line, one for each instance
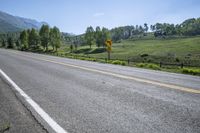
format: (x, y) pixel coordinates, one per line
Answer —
(53, 124)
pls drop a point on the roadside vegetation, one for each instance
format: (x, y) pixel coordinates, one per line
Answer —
(165, 47)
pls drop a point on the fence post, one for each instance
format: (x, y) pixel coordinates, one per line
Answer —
(181, 65)
(160, 64)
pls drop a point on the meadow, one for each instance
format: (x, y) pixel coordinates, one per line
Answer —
(145, 53)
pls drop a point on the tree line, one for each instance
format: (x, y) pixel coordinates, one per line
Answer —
(51, 37)
(92, 36)
(126, 32)
(96, 37)
(189, 27)
(32, 39)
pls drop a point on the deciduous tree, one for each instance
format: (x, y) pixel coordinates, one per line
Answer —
(55, 38)
(89, 36)
(24, 40)
(44, 36)
(34, 39)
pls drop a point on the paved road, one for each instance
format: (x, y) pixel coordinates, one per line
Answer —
(87, 97)
(14, 117)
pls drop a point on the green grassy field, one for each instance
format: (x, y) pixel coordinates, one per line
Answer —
(166, 50)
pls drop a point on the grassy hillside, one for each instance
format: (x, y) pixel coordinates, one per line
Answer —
(167, 50)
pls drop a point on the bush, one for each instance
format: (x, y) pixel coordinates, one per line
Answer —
(140, 65)
(118, 62)
(102, 61)
(147, 65)
(153, 66)
(191, 71)
(82, 58)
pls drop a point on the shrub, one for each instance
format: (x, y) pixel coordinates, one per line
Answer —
(118, 62)
(91, 59)
(153, 66)
(147, 65)
(102, 61)
(81, 58)
(140, 65)
(191, 71)
(123, 63)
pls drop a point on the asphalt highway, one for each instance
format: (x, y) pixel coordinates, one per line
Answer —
(90, 97)
(14, 117)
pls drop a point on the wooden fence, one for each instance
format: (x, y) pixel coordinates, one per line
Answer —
(131, 62)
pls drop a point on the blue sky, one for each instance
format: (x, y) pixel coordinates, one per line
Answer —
(74, 16)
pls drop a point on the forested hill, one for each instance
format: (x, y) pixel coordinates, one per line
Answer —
(10, 23)
(98, 35)
(189, 27)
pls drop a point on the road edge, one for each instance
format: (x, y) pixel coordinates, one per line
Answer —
(41, 117)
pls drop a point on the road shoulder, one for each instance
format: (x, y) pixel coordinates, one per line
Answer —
(14, 116)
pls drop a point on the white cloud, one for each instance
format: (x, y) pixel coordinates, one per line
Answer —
(98, 14)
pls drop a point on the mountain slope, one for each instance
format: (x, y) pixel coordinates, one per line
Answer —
(10, 23)
(6, 27)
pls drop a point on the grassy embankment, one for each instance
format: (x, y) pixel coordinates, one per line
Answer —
(146, 53)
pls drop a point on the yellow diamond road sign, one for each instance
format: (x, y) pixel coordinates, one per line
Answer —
(109, 44)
